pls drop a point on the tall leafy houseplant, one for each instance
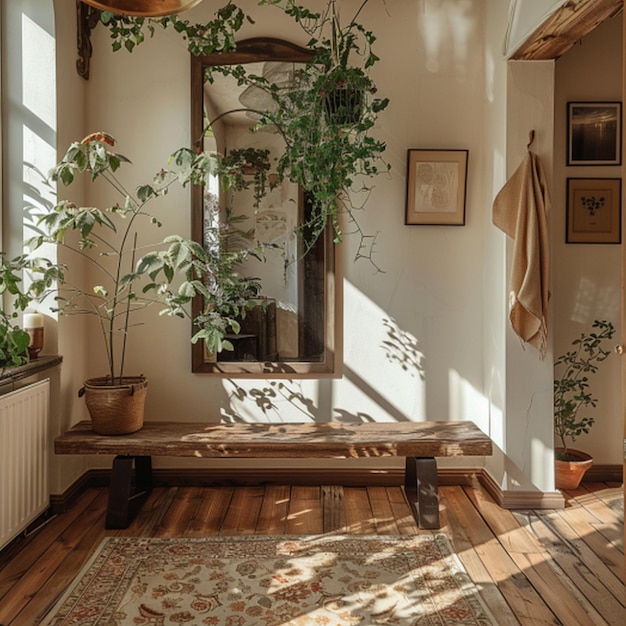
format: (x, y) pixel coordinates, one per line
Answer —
(325, 115)
(572, 388)
(127, 277)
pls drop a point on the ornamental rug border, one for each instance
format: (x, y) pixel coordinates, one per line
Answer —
(262, 580)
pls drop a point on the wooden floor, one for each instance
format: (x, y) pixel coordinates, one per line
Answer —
(533, 567)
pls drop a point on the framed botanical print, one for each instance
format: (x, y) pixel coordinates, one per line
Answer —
(594, 213)
(436, 183)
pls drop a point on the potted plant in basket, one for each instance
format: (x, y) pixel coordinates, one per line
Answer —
(571, 394)
(125, 282)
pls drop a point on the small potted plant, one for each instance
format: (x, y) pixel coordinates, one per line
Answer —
(571, 394)
(125, 282)
(14, 340)
(239, 164)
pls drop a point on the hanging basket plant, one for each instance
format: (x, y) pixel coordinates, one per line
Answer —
(344, 106)
(345, 94)
(241, 163)
(327, 116)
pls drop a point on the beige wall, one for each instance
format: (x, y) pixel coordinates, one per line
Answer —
(425, 339)
(430, 293)
(587, 278)
(432, 274)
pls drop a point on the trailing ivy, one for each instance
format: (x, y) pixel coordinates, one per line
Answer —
(216, 35)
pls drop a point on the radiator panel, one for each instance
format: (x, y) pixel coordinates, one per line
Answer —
(24, 446)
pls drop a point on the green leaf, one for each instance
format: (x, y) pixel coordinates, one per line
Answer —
(144, 192)
(186, 290)
(149, 263)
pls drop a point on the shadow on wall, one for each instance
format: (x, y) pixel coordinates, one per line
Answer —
(403, 348)
(399, 347)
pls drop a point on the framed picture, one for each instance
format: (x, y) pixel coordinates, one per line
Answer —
(594, 212)
(594, 133)
(436, 182)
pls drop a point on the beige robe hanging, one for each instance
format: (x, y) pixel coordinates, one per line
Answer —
(520, 210)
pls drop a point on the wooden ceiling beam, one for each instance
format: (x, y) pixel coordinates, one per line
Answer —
(567, 25)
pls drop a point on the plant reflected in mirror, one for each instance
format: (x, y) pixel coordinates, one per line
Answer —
(311, 111)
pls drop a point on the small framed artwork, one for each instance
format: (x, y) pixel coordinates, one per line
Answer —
(436, 183)
(594, 212)
(594, 133)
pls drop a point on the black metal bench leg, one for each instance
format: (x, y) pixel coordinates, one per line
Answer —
(420, 486)
(125, 499)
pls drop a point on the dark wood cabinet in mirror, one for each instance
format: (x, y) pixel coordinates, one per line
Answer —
(296, 328)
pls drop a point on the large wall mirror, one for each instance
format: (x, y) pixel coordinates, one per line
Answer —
(295, 330)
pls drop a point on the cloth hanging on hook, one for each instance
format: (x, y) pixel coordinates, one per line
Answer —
(520, 210)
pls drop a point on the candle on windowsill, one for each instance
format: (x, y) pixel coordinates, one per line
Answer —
(33, 325)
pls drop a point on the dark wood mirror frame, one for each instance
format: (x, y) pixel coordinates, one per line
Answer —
(329, 365)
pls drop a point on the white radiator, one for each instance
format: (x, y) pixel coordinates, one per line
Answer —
(23, 458)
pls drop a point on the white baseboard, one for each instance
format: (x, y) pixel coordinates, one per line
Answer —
(513, 499)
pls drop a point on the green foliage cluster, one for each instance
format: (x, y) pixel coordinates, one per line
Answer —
(173, 274)
(216, 35)
(329, 155)
(572, 387)
(240, 163)
(13, 339)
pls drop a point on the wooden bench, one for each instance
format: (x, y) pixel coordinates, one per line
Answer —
(419, 442)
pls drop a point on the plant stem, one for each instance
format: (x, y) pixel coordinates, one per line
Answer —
(127, 315)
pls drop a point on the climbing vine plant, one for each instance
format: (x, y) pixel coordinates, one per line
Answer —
(326, 117)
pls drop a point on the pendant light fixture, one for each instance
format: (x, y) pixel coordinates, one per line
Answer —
(143, 8)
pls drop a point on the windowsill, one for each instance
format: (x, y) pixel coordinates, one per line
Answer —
(15, 373)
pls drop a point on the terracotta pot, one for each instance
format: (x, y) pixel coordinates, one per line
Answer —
(115, 408)
(568, 474)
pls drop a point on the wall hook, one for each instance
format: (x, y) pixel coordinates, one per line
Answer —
(531, 138)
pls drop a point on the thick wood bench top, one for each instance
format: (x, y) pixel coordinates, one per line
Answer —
(306, 440)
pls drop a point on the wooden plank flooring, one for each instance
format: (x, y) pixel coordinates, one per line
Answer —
(533, 567)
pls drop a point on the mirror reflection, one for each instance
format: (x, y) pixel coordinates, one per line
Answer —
(292, 329)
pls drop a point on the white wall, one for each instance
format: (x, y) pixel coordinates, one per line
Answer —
(431, 290)
(528, 424)
(587, 278)
(434, 319)
(494, 267)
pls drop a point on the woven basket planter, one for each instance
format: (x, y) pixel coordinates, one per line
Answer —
(115, 408)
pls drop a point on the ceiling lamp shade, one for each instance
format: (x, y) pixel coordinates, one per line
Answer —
(278, 73)
(143, 8)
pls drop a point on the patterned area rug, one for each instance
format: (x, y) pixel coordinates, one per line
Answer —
(323, 580)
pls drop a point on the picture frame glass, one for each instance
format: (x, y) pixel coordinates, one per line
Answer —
(436, 187)
(594, 133)
(594, 210)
